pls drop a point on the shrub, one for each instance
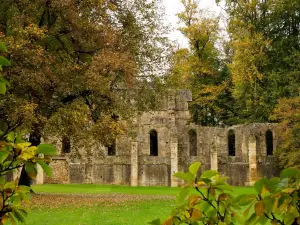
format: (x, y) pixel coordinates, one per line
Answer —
(208, 199)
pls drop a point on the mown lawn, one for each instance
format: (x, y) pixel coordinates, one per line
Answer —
(103, 205)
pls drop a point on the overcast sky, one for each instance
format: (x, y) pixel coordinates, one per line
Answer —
(174, 6)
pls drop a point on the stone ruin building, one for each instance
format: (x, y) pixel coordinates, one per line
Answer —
(163, 142)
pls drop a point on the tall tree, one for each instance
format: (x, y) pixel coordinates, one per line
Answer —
(287, 113)
(71, 58)
(200, 69)
(265, 41)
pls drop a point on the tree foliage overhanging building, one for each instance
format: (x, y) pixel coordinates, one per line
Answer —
(70, 58)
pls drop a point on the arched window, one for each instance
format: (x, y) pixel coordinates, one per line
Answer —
(66, 145)
(111, 149)
(269, 142)
(193, 142)
(153, 143)
(231, 143)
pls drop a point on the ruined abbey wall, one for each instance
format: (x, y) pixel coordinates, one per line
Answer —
(168, 131)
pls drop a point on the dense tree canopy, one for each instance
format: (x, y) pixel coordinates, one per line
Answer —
(199, 67)
(71, 59)
(250, 76)
(265, 42)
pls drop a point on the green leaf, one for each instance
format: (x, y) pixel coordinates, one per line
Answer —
(31, 170)
(204, 206)
(3, 47)
(194, 168)
(205, 180)
(209, 174)
(155, 222)
(12, 219)
(225, 187)
(269, 202)
(16, 199)
(262, 220)
(46, 149)
(2, 180)
(283, 183)
(290, 172)
(4, 81)
(46, 168)
(3, 156)
(274, 180)
(19, 216)
(23, 211)
(261, 186)
(4, 61)
(247, 199)
(185, 176)
(288, 218)
(19, 138)
(2, 88)
(246, 212)
(251, 220)
(24, 189)
(11, 137)
(183, 194)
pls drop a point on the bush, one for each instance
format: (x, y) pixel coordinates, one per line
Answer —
(208, 199)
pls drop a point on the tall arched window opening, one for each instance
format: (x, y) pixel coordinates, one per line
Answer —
(153, 143)
(193, 142)
(231, 143)
(111, 149)
(66, 145)
(269, 142)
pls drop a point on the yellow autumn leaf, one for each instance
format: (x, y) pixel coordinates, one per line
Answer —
(23, 145)
(200, 183)
(28, 153)
(264, 190)
(187, 214)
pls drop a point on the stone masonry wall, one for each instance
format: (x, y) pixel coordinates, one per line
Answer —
(133, 164)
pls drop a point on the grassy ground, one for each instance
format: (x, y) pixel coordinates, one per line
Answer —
(102, 205)
(103, 189)
(106, 189)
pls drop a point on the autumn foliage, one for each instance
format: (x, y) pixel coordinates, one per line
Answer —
(15, 155)
(208, 199)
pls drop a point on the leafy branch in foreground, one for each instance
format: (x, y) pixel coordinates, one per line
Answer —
(15, 153)
(208, 199)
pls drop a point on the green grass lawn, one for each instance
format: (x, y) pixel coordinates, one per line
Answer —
(104, 205)
(106, 189)
(103, 189)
